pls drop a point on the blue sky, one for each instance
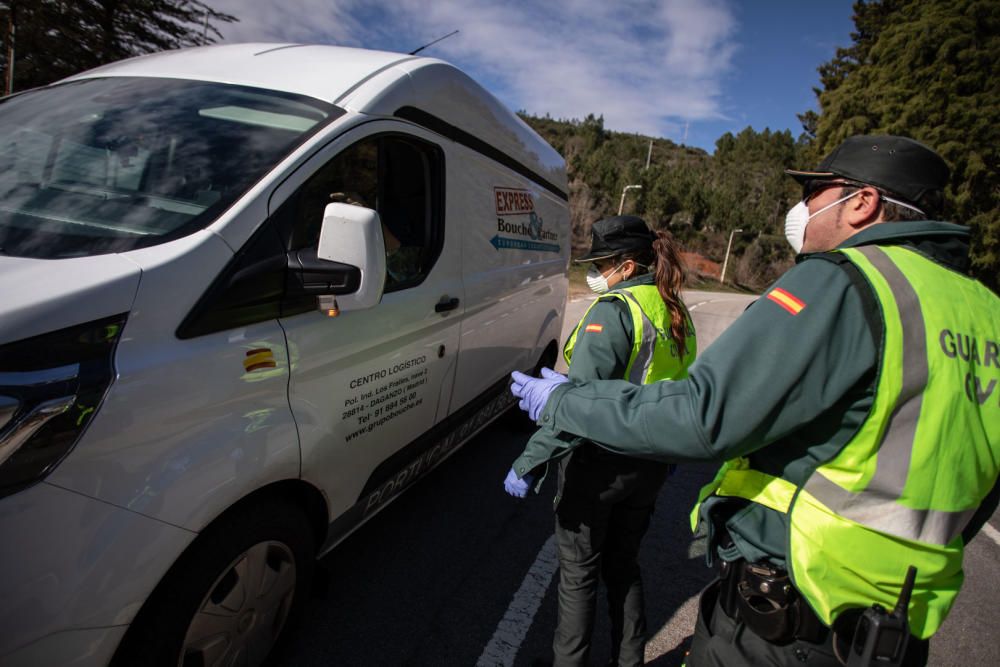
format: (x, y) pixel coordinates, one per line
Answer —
(687, 70)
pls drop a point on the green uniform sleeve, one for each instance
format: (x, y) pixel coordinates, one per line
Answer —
(598, 355)
(768, 375)
(604, 354)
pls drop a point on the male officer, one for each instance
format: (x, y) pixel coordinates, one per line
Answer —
(856, 409)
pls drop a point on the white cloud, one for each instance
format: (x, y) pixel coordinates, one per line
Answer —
(646, 65)
(313, 21)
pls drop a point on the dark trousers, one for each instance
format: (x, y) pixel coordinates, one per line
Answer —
(602, 513)
(721, 641)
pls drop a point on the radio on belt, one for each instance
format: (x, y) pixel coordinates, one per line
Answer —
(881, 637)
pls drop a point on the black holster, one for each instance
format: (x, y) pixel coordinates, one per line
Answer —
(763, 598)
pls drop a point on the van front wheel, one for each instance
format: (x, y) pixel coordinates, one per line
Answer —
(230, 596)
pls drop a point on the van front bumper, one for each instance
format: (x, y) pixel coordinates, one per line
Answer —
(73, 573)
(93, 647)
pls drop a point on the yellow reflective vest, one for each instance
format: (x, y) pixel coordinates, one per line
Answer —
(901, 491)
(654, 354)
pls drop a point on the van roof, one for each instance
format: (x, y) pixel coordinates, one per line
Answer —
(426, 91)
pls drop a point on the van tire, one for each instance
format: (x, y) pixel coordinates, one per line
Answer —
(272, 538)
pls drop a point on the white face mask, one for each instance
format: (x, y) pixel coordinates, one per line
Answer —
(596, 280)
(798, 219)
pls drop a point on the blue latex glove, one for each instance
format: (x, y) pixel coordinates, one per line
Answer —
(517, 487)
(534, 392)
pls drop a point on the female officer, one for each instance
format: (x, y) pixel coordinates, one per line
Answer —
(638, 330)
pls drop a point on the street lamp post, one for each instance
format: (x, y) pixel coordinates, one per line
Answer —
(725, 262)
(621, 204)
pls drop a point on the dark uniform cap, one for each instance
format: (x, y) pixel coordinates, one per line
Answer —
(617, 235)
(898, 165)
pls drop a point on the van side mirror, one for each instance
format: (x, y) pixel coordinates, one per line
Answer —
(353, 235)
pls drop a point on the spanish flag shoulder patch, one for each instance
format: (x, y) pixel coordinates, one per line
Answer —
(594, 328)
(786, 300)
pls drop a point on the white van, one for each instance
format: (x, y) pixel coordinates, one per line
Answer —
(248, 294)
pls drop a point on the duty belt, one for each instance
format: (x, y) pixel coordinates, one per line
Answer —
(763, 598)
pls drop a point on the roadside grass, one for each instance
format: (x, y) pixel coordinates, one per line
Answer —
(578, 280)
(709, 285)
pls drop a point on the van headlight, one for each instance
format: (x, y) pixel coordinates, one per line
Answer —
(50, 387)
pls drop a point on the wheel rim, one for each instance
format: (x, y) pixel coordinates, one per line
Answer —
(243, 612)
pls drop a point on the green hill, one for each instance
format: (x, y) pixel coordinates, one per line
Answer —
(699, 198)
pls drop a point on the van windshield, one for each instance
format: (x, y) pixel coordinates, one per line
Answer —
(110, 165)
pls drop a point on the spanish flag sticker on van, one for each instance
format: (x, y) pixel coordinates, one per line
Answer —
(258, 359)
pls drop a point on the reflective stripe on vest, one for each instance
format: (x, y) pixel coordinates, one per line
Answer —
(737, 479)
(654, 354)
(880, 504)
(644, 344)
(877, 506)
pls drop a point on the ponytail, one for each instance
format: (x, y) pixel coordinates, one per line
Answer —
(669, 279)
(664, 259)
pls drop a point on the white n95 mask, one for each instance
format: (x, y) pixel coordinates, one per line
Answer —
(798, 219)
(596, 280)
(795, 226)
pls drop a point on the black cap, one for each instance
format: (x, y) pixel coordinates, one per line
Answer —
(898, 165)
(617, 235)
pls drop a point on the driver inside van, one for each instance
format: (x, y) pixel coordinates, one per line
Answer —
(402, 262)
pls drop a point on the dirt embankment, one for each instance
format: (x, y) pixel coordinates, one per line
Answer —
(699, 266)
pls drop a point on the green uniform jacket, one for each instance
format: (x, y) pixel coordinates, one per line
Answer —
(786, 389)
(597, 356)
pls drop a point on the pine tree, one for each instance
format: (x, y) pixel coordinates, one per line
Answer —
(924, 69)
(52, 39)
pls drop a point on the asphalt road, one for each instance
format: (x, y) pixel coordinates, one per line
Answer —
(455, 570)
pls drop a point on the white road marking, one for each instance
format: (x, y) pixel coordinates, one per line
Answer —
(991, 532)
(514, 625)
(702, 303)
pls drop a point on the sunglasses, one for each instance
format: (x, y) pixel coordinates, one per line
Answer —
(605, 264)
(813, 187)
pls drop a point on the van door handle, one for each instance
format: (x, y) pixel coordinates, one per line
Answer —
(445, 305)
